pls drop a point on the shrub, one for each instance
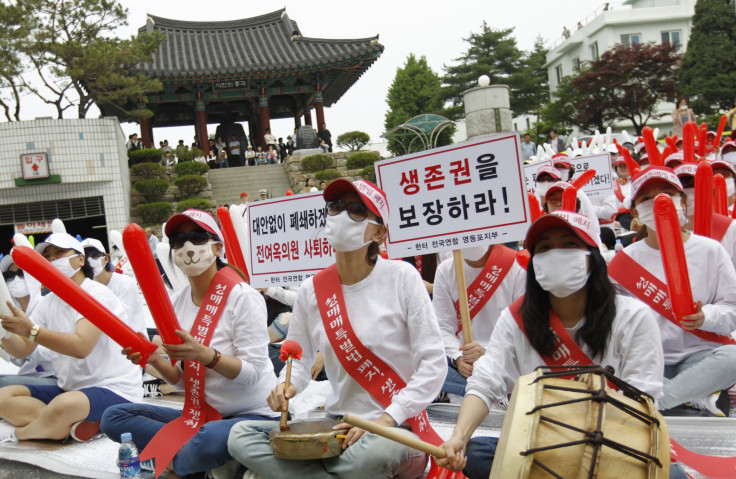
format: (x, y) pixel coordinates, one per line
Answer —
(191, 185)
(362, 159)
(154, 213)
(191, 168)
(196, 203)
(146, 155)
(148, 171)
(318, 162)
(353, 140)
(187, 155)
(327, 175)
(368, 173)
(152, 190)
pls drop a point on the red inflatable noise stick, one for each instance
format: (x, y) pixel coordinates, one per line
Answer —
(290, 349)
(650, 144)
(569, 199)
(688, 141)
(146, 272)
(719, 132)
(72, 294)
(669, 236)
(703, 215)
(232, 245)
(720, 200)
(584, 178)
(534, 208)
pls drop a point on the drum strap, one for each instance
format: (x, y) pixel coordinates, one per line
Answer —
(617, 191)
(653, 292)
(497, 266)
(171, 438)
(121, 264)
(358, 361)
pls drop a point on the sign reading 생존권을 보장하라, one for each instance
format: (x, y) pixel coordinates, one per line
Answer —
(467, 194)
(34, 166)
(602, 183)
(287, 240)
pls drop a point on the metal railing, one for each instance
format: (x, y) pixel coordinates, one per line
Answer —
(607, 6)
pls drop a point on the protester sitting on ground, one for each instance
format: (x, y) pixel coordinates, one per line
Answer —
(228, 366)
(250, 156)
(569, 298)
(263, 193)
(92, 375)
(308, 186)
(272, 155)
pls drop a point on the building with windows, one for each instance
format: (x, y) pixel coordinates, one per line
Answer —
(628, 22)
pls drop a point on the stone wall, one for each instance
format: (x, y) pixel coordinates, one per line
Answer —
(297, 177)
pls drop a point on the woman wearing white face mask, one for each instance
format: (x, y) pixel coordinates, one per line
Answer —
(122, 286)
(481, 264)
(371, 318)
(222, 361)
(568, 296)
(92, 375)
(700, 360)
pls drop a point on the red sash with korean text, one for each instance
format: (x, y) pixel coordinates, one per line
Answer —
(617, 191)
(719, 226)
(653, 292)
(169, 440)
(497, 266)
(358, 361)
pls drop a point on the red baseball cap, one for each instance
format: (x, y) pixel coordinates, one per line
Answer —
(202, 219)
(651, 174)
(581, 225)
(243, 194)
(373, 197)
(686, 169)
(550, 170)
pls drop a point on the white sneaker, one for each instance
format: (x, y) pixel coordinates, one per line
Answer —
(712, 403)
(8, 435)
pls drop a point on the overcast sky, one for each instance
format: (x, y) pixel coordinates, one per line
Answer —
(431, 28)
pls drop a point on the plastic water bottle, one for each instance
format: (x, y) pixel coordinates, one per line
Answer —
(619, 246)
(128, 462)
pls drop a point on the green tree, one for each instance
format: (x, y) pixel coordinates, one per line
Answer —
(413, 92)
(16, 26)
(76, 60)
(353, 140)
(531, 84)
(707, 77)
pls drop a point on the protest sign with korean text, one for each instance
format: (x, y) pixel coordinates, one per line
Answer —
(460, 195)
(602, 183)
(530, 172)
(287, 240)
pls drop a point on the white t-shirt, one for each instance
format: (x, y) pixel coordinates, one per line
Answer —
(392, 316)
(633, 351)
(104, 367)
(712, 280)
(241, 332)
(729, 242)
(445, 295)
(604, 207)
(126, 290)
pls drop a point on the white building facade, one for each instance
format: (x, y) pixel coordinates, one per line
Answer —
(632, 22)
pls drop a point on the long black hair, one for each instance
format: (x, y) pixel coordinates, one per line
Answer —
(600, 310)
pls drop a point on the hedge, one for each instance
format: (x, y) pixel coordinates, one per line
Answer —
(318, 162)
(327, 175)
(154, 213)
(191, 185)
(368, 173)
(196, 203)
(191, 168)
(153, 189)
(362, 159)
(148, 171)
(146, 155)
(187, 155)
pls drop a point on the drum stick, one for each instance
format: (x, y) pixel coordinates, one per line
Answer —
(394, 435)
(285, 414)
(290, 350)
(462, 296)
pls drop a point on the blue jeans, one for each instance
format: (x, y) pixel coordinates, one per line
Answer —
(16, 380)
(372, 457)
(454, 382)
(698, 375)
(480, 452)
(204, 451)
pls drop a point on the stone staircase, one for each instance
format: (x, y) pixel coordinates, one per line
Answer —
(228, 183)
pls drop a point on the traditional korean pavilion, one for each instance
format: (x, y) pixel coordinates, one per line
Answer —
(248, 70)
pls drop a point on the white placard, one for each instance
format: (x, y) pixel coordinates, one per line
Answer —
(34, 165)
(602, 183)
(460, 195)
(530, 173)
(287, 240)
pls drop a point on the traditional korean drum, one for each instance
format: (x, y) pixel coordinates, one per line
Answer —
(311, 439)
(556, 427)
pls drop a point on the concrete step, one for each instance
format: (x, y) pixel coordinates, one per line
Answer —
(228, 183)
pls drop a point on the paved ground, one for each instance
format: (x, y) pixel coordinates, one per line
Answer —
(19, 470)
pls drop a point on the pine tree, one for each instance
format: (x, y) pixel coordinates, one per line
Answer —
(708, 72)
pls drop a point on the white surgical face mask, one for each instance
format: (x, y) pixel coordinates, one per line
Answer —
(543, 187)
(18, 287)
(474, 253)
(96, 265)
(564, 173)
(683, 107)
(646, 213)
(690, 192)
(730, 157)
(196, 263)
(63, 265)
(346, 234)
(644, 166)
(561, 272)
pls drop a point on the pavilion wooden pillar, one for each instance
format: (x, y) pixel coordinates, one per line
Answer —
(201, 115)
(308, 115)
(146, 129)
(319, 109)
(264, 118)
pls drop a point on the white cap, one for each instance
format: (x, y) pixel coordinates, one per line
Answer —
(61, 241)
(6, 263)
(93, 243)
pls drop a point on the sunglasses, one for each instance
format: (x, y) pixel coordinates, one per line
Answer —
(92, 253)
(356, 211)
(196, 237)
(8, 275)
